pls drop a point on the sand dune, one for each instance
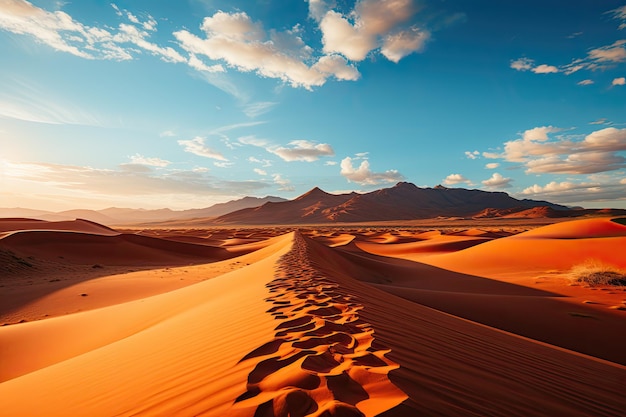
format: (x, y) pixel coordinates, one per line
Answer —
(82, 226)
(111, 249)
(302, 328)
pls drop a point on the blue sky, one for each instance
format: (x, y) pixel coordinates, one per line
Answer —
(185, 104)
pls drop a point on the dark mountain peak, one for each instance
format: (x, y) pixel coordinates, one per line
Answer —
(440, 187)
(314, 193)
(405, 185)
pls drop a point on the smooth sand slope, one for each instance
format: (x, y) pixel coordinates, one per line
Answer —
(302, 328)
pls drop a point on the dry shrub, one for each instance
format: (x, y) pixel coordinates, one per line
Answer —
(595, 273)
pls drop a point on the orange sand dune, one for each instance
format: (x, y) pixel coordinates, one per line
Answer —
(118, 249)
(558, 246)
(440, 243)
(294, 333)
(79, 225)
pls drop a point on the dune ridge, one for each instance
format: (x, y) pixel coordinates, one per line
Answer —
(324, 359)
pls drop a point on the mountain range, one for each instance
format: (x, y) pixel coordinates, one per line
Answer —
(122, 216)
(404, 201)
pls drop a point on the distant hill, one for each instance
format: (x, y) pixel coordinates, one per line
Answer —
(404, 201)
(122, 216)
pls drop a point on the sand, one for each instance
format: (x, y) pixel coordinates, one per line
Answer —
(319, 321)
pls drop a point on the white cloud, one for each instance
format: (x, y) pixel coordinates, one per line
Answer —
(196, 146)
(338, 67)
(539, 133)
(491, 155)
(264, 162)
(585, 82)
(527, 64)
(619, 81)
(364, 176)
(578, 163)
(492, 165)
(371, 25)
(154, 162)
(197, 64)
(330, 163)
(597, 152)
(497, 181)
(223, 164)
(283, 183)
(472, 155)
(243, 44)
(61, 32)
(522, 64)
(453, 179)
(260, 171)
(131, 34)
(128, 183)
(545, 69)
(398, 45)
(303, 150)
(620, 14)
(568, 192)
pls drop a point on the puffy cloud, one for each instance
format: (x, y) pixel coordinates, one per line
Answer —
(545, 69)
(492, 165)
(597, 152)
(472, 155)
(398, 45)
(491, 155)
(303, 150)
(453, 179)
(568, 192)
(619, 81)
(534, 142)
(196, 146)
(243, 44)
(338, 67)
(364, 176)
(153, 162)
(539, 133)
(497, 181)
(581, 163)
(371, 25)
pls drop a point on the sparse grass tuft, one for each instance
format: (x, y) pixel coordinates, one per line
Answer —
(595, 273)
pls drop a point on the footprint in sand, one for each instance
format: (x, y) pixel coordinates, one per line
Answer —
(324, 359)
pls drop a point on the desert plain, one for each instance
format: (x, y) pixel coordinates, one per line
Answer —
(517, 317)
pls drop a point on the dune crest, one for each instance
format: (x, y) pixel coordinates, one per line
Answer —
(324, 359)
